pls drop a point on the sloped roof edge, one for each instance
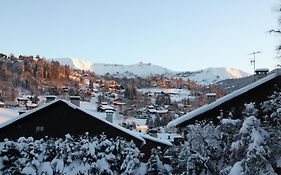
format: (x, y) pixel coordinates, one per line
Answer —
(220, 101)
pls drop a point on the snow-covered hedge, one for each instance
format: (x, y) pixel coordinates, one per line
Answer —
(83, 155)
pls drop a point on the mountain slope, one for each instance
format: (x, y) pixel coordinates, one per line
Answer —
(140, 69)
(212, 75)
(204, 76)
(75, 63)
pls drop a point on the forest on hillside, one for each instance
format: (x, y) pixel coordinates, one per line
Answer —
(35, 75)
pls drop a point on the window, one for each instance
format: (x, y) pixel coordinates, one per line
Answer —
(39, 128)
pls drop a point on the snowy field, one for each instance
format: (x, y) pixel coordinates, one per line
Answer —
(6, 114)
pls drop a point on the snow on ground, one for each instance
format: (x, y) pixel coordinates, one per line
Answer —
(6, 114)
(278, 162)
(176, 94)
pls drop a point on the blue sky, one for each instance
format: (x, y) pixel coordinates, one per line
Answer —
(177, 34)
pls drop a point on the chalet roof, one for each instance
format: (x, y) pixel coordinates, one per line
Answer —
(75, 97)
(158, 111)
(211, 94)
(262, 70)
(2, 125)
(22, 99)
(220, 101)
(51, 96)
(107, 107)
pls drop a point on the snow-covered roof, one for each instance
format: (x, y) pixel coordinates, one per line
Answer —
(262, 70)
(162, 141)
(107, 107)
(75, 97)
(211, 94)
(74, 107)
(22, 99)
(220, 101)
(50, 96)
(31, 104)
(158, 111)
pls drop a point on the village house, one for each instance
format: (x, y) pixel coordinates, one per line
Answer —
(2, 104)
(105, 107)
(60, 117)
(22, 101)
(232, 103)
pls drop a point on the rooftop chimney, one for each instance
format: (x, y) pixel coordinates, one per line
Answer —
(50, 98)
(75, 100)
(211, 97)
(261, 73)
(109, 115)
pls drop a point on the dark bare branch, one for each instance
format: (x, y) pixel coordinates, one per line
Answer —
(274, 31)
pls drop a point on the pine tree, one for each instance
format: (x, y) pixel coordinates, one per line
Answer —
(154, 164)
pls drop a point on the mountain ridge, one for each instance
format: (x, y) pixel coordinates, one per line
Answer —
(203, 76)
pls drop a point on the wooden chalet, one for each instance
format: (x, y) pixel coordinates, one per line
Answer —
(234, 102)
(2, 104)
(22, 101)
(103, 108)
(60, 117)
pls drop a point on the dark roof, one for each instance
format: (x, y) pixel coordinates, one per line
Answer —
(197, 113)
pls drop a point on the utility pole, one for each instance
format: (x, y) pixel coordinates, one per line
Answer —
(253, 61)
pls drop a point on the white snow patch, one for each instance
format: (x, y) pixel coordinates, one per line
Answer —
(7, 114)
(237, 169)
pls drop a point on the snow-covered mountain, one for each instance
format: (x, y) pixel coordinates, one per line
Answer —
(140, 69)
(212, 75)
(75, 63)
(204, 76)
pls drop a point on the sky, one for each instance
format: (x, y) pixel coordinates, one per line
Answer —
(182, 35)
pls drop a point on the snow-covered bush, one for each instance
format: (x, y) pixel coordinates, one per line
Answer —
(83, 155)
(202, 150)
(249, 145)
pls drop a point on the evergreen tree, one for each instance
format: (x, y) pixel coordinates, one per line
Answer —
(154, 164)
